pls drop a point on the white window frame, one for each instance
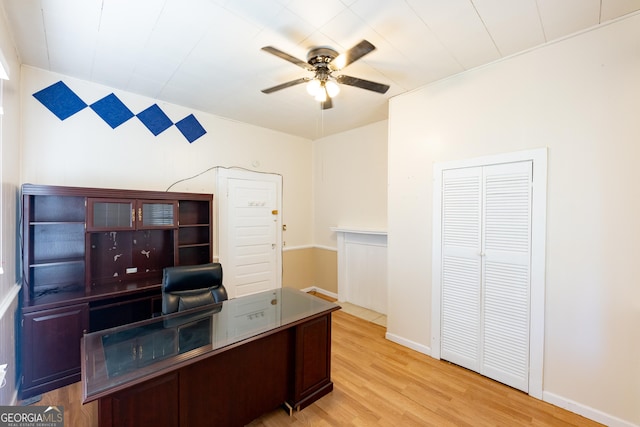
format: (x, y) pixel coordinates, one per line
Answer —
(4, 75)
(1, 177)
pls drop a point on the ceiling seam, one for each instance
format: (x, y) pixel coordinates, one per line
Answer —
(484, 24)
(46, 41)
(544, 33)
(93, 59)
(146, 43)
(435, 36)
(373, 30)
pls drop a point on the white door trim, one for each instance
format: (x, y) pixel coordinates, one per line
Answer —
(222, 185)
(538, 254)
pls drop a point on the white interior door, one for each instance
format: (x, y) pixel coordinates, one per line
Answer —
(486, 260)
(461, 266)
(250, 246)
(506, 281)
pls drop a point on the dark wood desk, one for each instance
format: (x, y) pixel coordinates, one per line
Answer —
(222, 365)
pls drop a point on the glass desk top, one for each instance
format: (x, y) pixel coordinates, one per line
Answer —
(126, 354)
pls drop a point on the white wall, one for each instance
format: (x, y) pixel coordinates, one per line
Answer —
(84, 151)
(10, 158)
(350, 181)
(579, 97)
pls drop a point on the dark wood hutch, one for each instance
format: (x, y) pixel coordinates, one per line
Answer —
(93, 259)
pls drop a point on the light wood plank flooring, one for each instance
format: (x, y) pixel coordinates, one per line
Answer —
(380, 383)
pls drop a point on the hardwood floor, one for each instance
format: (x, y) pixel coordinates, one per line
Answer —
(75, 413)
(380, 383)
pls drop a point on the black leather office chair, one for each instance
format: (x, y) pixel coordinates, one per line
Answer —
(191, 286)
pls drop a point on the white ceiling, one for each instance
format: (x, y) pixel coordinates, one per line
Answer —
(205, 54)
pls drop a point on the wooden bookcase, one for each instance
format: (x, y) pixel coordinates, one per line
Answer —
(93, 259)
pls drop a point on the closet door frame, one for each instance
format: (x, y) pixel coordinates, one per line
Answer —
(538, 244)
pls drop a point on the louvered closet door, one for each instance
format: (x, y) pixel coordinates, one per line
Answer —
(461, 266)
(486, 223)
(506, 273)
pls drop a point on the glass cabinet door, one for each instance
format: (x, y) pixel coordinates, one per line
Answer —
(129, 214)
(153, 214)
(111, 214)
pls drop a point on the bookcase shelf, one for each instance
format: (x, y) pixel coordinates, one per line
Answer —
(93, 258)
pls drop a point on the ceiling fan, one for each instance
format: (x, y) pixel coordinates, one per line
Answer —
(323, 62)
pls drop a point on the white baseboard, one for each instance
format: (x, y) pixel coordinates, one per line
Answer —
(320, 291)
(408, 343)
(585, 411)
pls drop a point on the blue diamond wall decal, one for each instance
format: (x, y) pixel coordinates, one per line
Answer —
(63, 102)
(60, 100)
(190, 128)
(112, 110)
(155, 119)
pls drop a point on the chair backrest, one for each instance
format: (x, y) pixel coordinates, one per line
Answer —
(190, 286)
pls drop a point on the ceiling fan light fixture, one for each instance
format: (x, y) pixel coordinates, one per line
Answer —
(313, 87)
(332, 88)
(321, 96)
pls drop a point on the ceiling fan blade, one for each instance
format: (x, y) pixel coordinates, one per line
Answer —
(286, 85)
(363, 84)
(327, 104)
(352, 55)
(280, 54)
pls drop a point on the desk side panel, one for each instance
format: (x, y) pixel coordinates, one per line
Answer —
(152, 403)
(238, 385)
(312, 362)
